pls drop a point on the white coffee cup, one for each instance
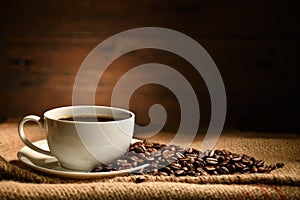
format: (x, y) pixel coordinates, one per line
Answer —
(82, 145)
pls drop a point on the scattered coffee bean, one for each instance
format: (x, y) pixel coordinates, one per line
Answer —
(261, 169)
(140, 179)
(254, 169)
(259, 163)
(163, 174)
(170, 160)
(279, 165)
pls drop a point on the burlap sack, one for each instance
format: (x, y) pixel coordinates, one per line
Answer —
(20, 182)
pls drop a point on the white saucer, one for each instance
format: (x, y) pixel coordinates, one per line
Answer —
(49, 164)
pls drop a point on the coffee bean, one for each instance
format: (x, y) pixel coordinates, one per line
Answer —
(190, 173)
(259, 163)
(214, 173)
(140, 161)
(142, 149)
(211, 153)
(189, 150)
(279, 165)
(175, 166)
(163, 174)
(254, 169)
(151, 149)
(206, 153)
(202, 171)
(198, 164)
(141, 155)
(155, 172)
(183, 161)
(166, 152)
(197, 174)
(212, 161)
(147, 153)
(150, 158)
(140, 179)
(190, 167)
(148, 145)
(261, 169)
(156, 154)
(224, 170)
(250, 163)
(132, 158)
(272, 167)
(236, 158)
(125, 165)
(179, 172)
(245, 170)
(168, 160)
(238, 166)
(153, 165)
(156, 145)
(210, 168)
(166, 169)
(245, 161)
(225, 162)
(179, 155)
(185, 168)
(191, 160)
(220, 158)
(226, 153)
(121, 161)
(163, 162)
(197, 151)
(231, 168)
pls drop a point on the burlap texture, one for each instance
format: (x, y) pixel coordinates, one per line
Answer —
(18, 181)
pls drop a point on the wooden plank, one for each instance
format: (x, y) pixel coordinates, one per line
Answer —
(217, 19)
(254, 44)
(242, 63)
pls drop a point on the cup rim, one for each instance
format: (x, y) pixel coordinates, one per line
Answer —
(47, 114)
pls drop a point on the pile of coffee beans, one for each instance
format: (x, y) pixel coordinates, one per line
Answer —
(168, 160)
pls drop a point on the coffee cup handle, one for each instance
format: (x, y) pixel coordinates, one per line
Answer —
(23, 137)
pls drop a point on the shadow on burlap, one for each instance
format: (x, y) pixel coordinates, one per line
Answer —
(19, 181)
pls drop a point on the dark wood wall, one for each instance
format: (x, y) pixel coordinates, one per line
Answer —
(255, 45)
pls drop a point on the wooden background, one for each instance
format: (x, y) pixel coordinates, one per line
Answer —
(255, 45)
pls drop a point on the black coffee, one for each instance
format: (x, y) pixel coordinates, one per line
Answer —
(91, 118)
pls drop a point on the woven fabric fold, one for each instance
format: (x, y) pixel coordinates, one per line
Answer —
(18, 181)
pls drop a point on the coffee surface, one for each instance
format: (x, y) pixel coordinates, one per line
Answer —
(91, 118)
